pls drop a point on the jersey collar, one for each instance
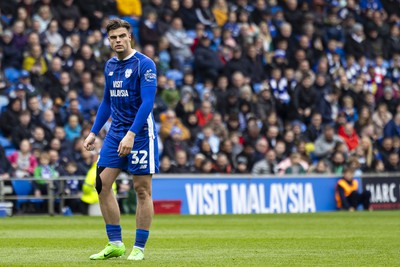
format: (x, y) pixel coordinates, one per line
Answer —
(128, 57)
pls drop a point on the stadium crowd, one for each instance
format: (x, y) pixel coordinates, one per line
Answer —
(262, 87)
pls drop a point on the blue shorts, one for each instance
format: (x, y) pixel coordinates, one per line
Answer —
(142, 160)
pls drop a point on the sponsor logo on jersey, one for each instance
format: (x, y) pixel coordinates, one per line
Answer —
(110, 73)
(117, 84)
(119, 93)
(128, 73)
(149, 75)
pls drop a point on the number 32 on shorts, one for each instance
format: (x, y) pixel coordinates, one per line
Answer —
(139, 157)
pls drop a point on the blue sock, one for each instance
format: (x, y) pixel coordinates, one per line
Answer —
(141, 238)
(113, 232)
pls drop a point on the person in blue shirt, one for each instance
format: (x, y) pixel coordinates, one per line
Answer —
(130, 143)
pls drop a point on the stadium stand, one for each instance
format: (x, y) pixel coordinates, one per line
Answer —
(319, 81)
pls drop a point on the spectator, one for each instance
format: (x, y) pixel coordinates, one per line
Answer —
(349, 135)
(172, 122)
(206, 61)
(268, 165)
(175, 142)
(23, 162)
(393, 164)
(181, 165)
(72, 128)
(165, 165)
(89, 101)
(315, 128)
(320, 168)
(6, 169)
(12, 56)
(24, 128)
(392, 128)
(9, 118)
(43, 173)
(326, 143)
(179, 44)
(66, 9)
(222, 164)
(34, 62)
(347, 195)
(149, 32)
(204, 114)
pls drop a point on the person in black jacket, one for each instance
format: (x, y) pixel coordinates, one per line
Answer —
(9, 118)
(148, 31)
(206, 61)
(6, 169)
(187, 13)
(355, 43)
(304, 99)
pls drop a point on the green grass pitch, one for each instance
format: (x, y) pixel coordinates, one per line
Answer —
(320, 239)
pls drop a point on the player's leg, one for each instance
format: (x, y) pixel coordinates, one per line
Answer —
(143, 164)
(108, 203)
(144, 214)
(105, 177)
(111, 215)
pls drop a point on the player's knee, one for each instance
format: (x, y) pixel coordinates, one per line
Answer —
(142, 191)
(99, 182)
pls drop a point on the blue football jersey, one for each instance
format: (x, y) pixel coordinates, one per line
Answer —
(126, 82)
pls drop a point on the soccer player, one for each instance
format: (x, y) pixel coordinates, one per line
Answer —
(131, 142)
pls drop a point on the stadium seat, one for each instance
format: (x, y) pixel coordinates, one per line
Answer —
(23, 188)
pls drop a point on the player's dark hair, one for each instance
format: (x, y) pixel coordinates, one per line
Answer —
(116, 23)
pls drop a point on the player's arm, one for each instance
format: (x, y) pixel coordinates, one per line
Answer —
(103, 113)
(148, 88)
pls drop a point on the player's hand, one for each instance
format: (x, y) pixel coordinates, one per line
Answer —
(126, 144)
(88, 144)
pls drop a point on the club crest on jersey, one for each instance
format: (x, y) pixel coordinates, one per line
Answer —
(149, 75)
(128, 73)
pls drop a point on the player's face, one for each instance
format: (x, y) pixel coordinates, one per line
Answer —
(120, 40)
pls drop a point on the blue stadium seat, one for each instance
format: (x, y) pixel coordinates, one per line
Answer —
(24, 188)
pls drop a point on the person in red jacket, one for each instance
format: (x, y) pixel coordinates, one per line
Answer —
(347, 195)
(349, 135)
(204, 113)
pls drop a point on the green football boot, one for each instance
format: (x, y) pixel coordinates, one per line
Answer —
(136, 255)
(110, 251)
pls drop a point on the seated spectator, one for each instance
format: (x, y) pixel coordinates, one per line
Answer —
(89, 101)
(393, 164)
(320, 168)
(314, 130)
(34, 62)
(206, 61)
(325, 144)
(169, 122)
(181, 165)
(6, 169)
(43, 173)
(38, 140)
(72, 128)
(165, 165)
(179, 43)
(266, 166)
(9, 118)
(170, 94)
(293, 165)
(338, 162)
(222, 164)
(72, 186)
(392, 128)
(347, 195)
(24, 128)
(349, 109)
(175, 142)
(23, 162)
(349, 135)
